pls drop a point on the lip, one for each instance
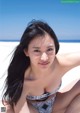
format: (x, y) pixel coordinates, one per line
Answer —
(44, 63)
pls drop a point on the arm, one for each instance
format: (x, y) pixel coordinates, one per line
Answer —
(19, 108)
(69, 60)
(9, 109)
(24, 108)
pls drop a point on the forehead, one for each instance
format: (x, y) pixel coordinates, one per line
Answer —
(41, 41)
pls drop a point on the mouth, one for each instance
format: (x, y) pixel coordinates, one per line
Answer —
(44, 63)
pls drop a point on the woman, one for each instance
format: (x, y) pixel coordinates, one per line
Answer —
(35, 73)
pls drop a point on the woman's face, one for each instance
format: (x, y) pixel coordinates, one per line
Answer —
(41, 51)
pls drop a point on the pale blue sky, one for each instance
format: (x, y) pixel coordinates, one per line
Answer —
(64, 18)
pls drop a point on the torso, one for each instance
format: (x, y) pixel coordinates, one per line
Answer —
(48, 83)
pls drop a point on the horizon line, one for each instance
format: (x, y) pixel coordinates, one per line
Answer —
(60, 40)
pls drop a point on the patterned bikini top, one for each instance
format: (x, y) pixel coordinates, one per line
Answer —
(43, 96)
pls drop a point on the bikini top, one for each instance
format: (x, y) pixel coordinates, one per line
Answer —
(43, 96)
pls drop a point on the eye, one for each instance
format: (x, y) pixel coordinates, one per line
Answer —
(36, 51)
(50, 49)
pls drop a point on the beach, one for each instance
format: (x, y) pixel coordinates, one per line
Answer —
(7, 48)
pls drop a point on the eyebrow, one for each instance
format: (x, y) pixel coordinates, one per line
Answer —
(36, 47)
(50, 46)
(39, 47)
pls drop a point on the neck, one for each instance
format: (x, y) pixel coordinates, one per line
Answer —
(41, 73)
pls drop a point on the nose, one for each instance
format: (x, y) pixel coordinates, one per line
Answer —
(44, 57)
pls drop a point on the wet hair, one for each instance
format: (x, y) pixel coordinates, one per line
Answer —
(20, 62)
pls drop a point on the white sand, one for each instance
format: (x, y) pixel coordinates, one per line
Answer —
(7, 47)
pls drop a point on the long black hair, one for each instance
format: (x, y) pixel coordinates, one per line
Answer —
(20, 62)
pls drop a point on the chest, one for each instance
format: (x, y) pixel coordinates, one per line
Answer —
(47, 84)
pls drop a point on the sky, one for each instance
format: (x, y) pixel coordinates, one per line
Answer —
(63, 17)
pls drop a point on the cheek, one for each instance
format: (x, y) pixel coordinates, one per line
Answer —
(52, 57)
(34, 59)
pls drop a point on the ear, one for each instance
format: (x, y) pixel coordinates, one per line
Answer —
(26, 52)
